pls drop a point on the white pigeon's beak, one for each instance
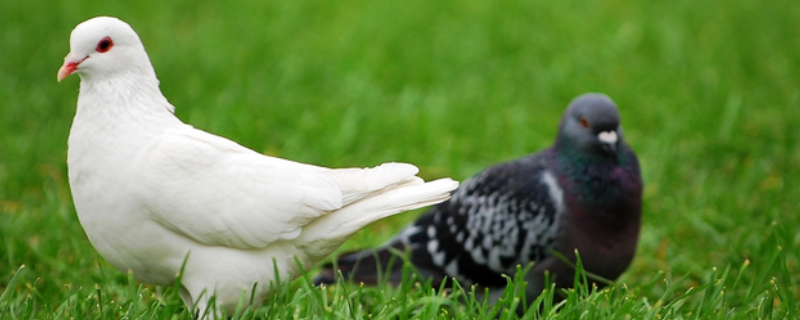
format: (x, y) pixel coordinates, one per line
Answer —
(609, 139)
(71, 62)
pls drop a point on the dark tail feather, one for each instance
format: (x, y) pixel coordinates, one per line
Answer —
(368, 266)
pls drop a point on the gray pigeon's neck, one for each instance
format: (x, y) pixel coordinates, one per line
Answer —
(601, 184)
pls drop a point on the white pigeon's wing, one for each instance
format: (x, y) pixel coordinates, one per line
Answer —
(217, 192)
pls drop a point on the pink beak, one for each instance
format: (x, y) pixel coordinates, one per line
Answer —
(71, 63)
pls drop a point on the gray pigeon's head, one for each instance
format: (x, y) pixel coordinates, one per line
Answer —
(591, 123)
(105, 46)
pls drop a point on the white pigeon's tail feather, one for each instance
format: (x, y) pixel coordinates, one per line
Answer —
(358, 183)
(328, 232)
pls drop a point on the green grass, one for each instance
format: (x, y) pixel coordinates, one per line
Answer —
(709, 94)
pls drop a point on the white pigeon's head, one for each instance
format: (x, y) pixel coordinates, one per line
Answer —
(105, 47)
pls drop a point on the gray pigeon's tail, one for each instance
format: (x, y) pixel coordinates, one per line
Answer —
(370, 267)
(381, 265)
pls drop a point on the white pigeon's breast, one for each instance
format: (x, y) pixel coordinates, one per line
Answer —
(121, 233)
(103, 174)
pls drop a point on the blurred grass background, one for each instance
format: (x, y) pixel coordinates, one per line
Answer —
(709, 94)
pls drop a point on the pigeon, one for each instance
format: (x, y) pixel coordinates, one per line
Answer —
(157, 197)
(584, 194)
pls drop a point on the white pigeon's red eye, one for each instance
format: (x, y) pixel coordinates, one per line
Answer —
(104, 45)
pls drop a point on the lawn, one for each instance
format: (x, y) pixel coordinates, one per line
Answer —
(709, 95)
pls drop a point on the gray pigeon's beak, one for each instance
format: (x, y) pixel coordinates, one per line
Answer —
(71, 62)
(609, 140)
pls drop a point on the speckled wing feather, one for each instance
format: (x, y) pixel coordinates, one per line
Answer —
(505, 216)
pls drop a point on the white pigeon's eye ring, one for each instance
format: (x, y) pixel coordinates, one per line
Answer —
(104, 45)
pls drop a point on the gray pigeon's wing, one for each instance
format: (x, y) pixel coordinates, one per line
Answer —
(505, 216)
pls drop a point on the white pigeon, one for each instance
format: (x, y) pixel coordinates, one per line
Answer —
(152, 192)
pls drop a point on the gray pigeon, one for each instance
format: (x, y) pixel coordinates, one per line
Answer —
(584, 193)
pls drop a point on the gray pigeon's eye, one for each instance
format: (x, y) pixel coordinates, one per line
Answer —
(584, 122)
(104, 45)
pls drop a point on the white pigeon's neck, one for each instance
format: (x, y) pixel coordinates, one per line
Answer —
(116, 117)
(123, 98)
